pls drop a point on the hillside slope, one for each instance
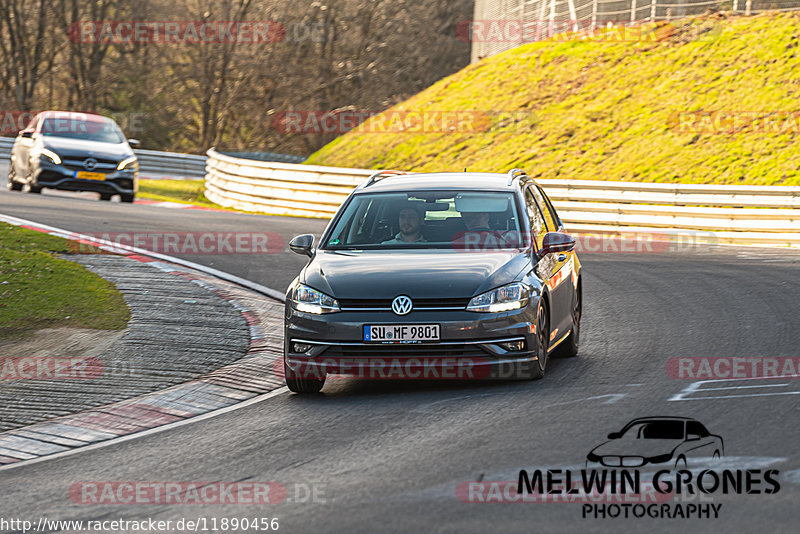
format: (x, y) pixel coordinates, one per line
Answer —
(709, 100)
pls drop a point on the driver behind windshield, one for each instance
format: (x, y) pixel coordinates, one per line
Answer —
(410, 223)
(476, 221)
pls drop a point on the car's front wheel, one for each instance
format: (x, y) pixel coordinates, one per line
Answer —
(569, 347)
(536, 369)
(126, 198)
(12, 173)
(301, 385)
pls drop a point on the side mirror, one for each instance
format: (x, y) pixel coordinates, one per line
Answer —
(556, 242)
(134, 143)
(26, 134)
(303, 244)
(614, 435)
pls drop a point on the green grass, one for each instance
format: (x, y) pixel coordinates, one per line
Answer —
(611, 110)
(181, 191)
(40, 290)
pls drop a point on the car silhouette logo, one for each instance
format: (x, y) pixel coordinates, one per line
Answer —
(674, 441)
(89, 164)
(402, 305)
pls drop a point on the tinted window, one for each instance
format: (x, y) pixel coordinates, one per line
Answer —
(427, 219)
(551, 215)
(538, 225)
(89, 128)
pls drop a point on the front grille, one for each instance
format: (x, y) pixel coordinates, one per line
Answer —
(460, 350)
(103, 165)
(419, 304)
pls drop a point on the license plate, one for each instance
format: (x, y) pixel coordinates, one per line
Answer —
(86, 175)
(401, 333)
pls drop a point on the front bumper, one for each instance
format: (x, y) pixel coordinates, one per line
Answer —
(62, 177)
(471, 345)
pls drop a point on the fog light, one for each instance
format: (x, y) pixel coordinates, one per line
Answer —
(301, 347)
(513, 345)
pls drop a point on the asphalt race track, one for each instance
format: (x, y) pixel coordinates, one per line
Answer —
(393, 453)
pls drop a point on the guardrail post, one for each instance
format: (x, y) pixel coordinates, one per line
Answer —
(747, 6)
(541, 34)
(652, 10)
(633, 11)
(735, 7)
(552, 24)
(594, 15)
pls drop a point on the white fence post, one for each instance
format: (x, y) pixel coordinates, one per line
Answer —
(747, 6)
(735, 6)
(653, 10)
(552, 24)
(541, 20)
(594, 15)
(633, 11)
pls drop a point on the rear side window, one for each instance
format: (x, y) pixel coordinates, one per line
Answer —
(548, 217)
(538, 225)
(695, 427)
(548, 206)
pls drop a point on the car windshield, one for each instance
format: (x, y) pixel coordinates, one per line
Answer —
(656, 430)
(428, 219)
(88, 128)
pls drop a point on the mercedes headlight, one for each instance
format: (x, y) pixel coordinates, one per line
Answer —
(510, 297)
(310, 300)
(47, 156)
(128, 164)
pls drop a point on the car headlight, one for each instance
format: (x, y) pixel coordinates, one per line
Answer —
(45, 154)
(510, 297)
(128, 164)
(309, 300)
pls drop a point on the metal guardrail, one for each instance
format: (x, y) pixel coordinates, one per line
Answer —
(702, 214)
(150, 161)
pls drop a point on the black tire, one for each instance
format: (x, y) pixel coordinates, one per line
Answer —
(13, 185)
(35, 189)
(302, 385)
(536, 370)
(105, 196)
(569, 347)
(127, 198)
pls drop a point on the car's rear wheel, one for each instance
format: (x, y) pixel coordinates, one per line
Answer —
(126, 198)
(302, 385)
(569, 347)
(105, 196)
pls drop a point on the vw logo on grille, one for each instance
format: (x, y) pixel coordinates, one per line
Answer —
(402, 305)
(89, 164)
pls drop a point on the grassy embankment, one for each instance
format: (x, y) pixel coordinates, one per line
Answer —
(605, 110)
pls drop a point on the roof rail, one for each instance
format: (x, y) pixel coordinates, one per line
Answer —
(380, 175)
(513, 173)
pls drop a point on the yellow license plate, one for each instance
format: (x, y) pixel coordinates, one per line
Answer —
(85, 175)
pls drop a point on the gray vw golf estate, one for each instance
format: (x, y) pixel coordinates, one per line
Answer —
(441, 275)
